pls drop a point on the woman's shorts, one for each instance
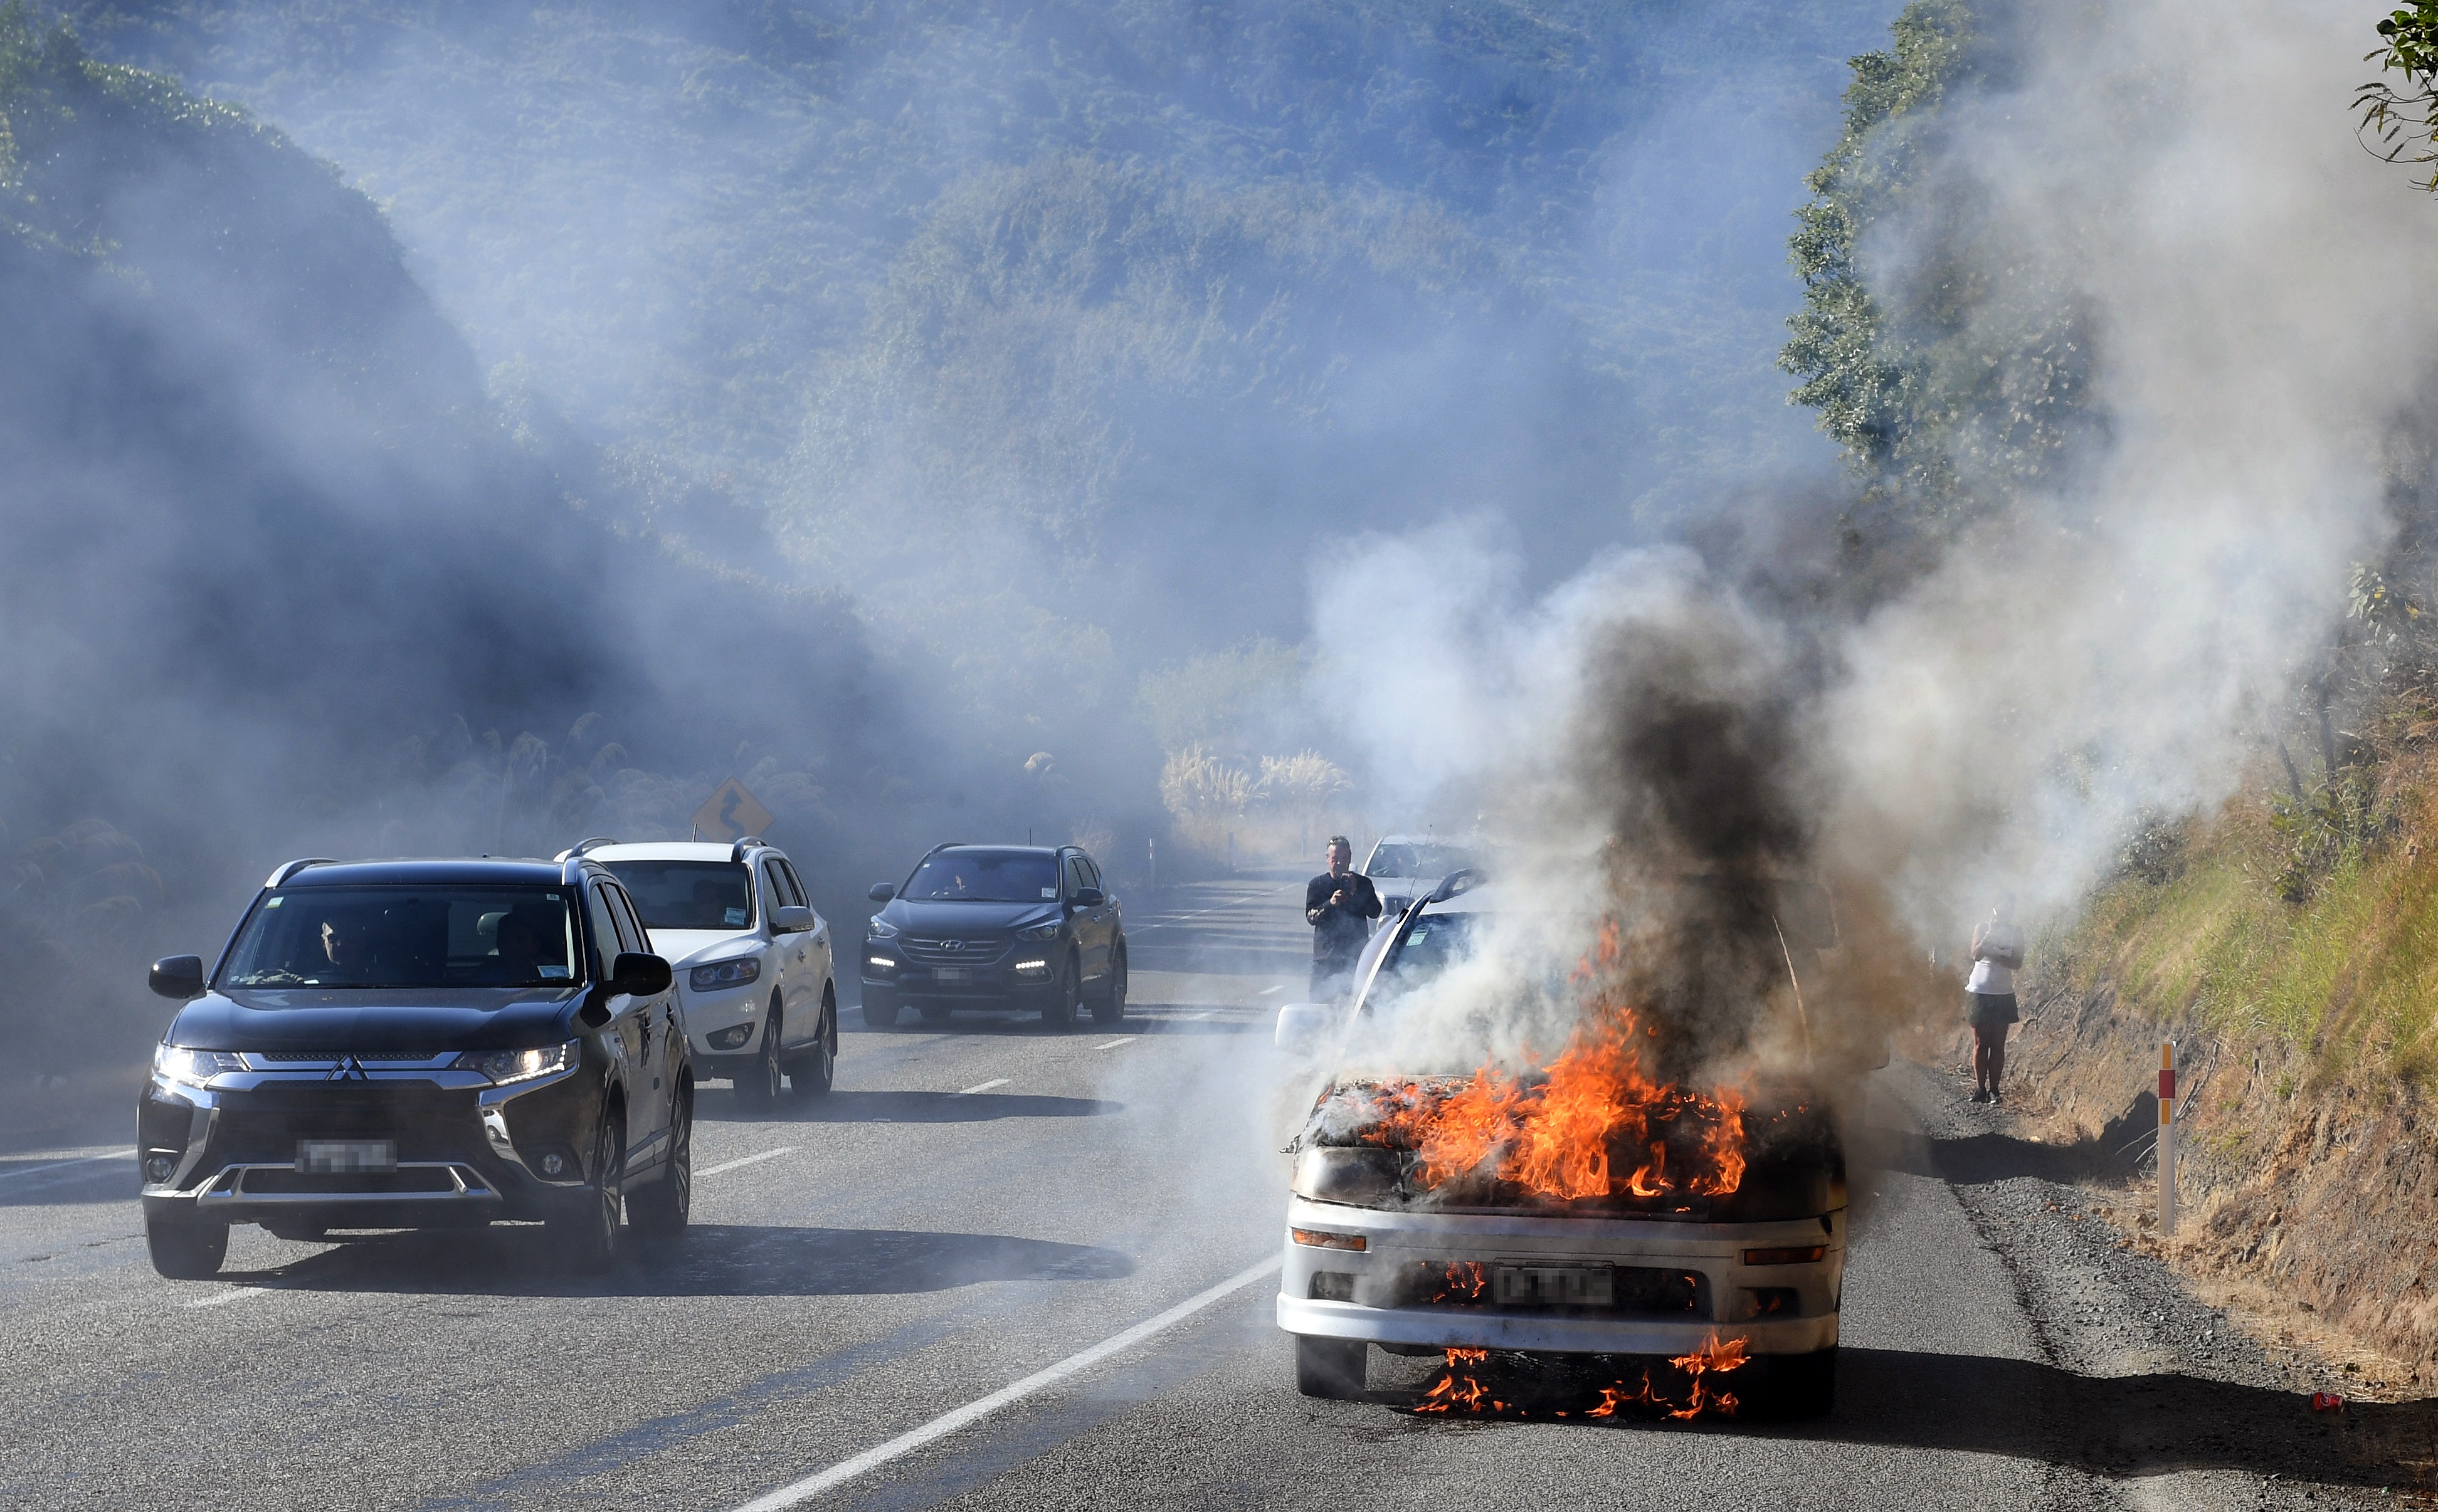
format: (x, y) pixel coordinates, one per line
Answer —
(1990, 1011)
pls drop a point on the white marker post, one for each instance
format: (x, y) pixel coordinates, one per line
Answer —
(2167, 1138)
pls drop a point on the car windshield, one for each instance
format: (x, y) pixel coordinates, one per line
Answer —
(405, 937)
(1435, 942)
(983, 876)
(689, 894)
(1392, 858)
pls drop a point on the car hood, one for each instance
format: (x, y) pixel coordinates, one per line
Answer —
(967, 918)
(684, 947)
(312, 1018)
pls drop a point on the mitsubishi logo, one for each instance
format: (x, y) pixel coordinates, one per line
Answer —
(952, 945)
(349, 1070)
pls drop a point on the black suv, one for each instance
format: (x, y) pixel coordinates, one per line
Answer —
(420, 1045)
(996, 927)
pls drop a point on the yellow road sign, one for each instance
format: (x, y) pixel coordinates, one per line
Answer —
(732, 813)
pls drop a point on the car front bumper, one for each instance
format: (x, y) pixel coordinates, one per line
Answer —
(468, 1152)
(1381, 1294)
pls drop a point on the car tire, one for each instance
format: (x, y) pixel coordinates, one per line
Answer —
(659, 1212)
(1109, 1006)
(758, 1086)
(186, 1249)
(810, 1075)
(586, 1237)
(880, 1012)
(1796, 1387)
(1335, 1369)
(1060, 1012)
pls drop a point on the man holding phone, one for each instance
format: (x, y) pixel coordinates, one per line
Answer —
(1339, 905)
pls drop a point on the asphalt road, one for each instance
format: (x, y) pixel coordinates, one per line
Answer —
(996, 1268)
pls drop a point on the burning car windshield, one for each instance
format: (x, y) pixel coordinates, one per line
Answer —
(1436, 942)
(689, 894)
(405, 938)
(1391, 860)
(984, 876)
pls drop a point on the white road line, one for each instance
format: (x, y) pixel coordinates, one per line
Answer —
(1222, 907)
(947, 1423)
(746, 1160)
(62, 1165)
(1196, 1018)
(1114, 1043)
(240, 1293)
(984, 1086)
(1267, 991)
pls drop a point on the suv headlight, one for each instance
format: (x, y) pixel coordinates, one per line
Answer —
(504, 1067)
(882, 928)
(721, 974)
(194, 1068)
(1048, 931)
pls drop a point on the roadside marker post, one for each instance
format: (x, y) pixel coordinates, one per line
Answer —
(2167, 1138)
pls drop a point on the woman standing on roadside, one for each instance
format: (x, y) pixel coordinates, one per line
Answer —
(1989, 994)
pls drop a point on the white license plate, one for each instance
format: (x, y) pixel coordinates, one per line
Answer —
(1554, 1286)
(952, 973)
(334, 1157)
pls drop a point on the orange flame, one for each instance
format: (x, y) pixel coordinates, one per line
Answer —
(1554, 1134)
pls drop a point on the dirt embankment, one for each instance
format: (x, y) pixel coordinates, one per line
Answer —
(2319, 1201)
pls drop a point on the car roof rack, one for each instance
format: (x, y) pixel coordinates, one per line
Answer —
(582, 846)
(290, 869)
(744, 843)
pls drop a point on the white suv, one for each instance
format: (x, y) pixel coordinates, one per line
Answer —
(752, 960)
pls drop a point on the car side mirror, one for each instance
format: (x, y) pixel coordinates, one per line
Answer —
(794, 919)
(1303, 1027)
(1089, 897)
(640, 976)
(881, 892)
(178, 977)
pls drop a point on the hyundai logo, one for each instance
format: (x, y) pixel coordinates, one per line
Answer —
(952, 945)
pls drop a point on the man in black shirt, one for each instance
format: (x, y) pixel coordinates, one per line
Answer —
(1339, 905)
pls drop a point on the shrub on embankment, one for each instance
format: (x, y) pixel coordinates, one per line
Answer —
(2306, 1019)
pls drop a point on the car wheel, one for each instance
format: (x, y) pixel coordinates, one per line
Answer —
(186, 1249)
(658, 1211)
(1796, 1386)
(810, 1076)
(1061, 1009)
(587, 1236)
(1111, 1007)
(880, 1012)
(758, 1086)
(1334, 1368)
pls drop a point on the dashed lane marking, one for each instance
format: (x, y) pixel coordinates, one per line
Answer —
(1114, 1043)
(742, 1160)
(1238, 901)
(947, 1423)
(62, 1165)
(984, 1086)
(237, 1293)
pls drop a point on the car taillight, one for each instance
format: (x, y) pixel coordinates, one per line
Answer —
(1791, 1255)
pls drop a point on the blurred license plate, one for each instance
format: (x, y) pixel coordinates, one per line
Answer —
(952, 973)
(332, 1157)
(1555, 1286)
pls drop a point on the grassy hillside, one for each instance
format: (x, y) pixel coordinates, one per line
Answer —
(1133, 303)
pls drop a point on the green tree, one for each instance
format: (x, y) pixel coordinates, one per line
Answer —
(2402, 124)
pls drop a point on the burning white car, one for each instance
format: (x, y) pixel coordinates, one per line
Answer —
(1583, 1209)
